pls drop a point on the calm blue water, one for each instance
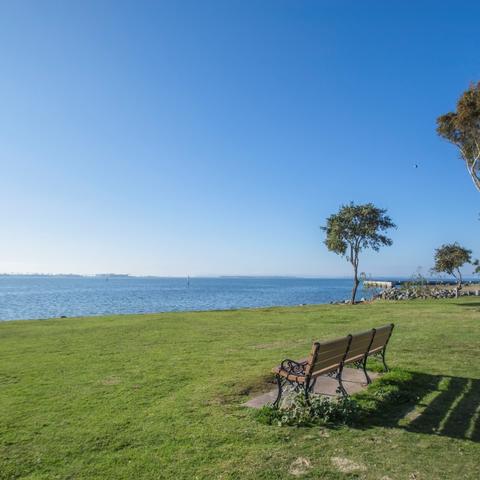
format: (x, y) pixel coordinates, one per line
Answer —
(23, 297)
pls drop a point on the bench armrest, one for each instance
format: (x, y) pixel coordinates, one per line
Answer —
(293, 367)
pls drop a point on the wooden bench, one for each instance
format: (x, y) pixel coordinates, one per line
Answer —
(328, 358)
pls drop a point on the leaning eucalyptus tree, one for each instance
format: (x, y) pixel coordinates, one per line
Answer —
(462, 128)
(355, 228)
(449, 258)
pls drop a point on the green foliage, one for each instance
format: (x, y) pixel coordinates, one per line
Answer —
(319, 410)
(449, 258)
(476, 264)
(462, 128)
(355, 228)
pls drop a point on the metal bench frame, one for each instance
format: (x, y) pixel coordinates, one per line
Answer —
(299, 369)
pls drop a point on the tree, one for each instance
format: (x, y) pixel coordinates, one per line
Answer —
(476, 264)
(355, 228)
(449, 258)
(462, 128)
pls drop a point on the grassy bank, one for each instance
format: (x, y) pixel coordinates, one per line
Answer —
(158, 396)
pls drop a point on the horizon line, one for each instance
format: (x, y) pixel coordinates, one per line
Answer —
(128, 275)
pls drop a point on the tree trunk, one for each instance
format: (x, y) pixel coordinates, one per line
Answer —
(458, 286)
(474, 171)
(476, 181)
(355, 285)
(459, 282)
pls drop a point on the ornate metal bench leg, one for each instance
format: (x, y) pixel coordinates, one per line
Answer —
(385, 366)
(364, 367)
(280, 391)
(341, 388)
(384, 350)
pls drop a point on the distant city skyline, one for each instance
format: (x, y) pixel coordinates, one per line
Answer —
(214, 138)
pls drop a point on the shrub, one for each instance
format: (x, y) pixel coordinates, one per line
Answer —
(319, 410)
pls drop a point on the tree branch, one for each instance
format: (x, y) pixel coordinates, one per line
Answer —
(471, 170)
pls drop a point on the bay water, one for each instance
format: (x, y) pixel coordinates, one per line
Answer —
(37, 296)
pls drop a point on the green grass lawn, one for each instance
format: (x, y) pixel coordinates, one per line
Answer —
(159, 396)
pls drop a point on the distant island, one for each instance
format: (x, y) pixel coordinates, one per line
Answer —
(74, 275)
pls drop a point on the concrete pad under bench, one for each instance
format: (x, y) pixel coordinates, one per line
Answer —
(353, 380)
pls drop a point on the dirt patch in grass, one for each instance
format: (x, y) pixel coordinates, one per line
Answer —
(346, 465)
(300, 467)
(110, 381)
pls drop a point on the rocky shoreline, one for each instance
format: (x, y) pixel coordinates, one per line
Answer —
(421, 291)
(424, 292)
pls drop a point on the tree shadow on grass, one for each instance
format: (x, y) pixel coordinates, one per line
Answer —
(418, 402)
(469, 304)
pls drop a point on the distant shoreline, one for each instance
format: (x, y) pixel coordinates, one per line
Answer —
(127, 275)
(397, 280)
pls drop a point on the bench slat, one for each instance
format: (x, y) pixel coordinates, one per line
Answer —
(340, 350)
(359, 346)
(382, 335)
(336, 360)
(326, 355)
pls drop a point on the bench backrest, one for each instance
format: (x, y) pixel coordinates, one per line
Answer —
(359, 346)
(327, 356)
(382, 335)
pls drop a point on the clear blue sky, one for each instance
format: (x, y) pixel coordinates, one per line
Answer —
(215, 137)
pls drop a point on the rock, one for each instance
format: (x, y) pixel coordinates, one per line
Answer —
(420, 291)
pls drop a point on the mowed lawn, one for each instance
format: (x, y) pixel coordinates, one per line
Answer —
(159, 396)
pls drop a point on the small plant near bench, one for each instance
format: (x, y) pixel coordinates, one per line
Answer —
(318, 410)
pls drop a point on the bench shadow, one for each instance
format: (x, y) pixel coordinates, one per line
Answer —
(430, 404)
